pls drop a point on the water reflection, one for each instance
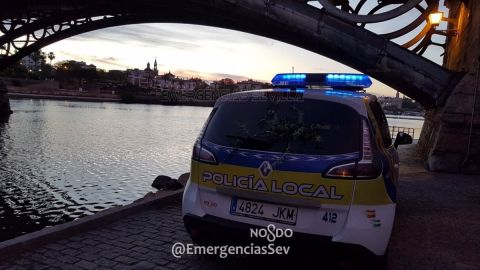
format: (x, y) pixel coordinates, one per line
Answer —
(64, 160)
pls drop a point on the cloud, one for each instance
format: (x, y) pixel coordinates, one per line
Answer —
(180, 36)
(135, 38)
(109, 60)
(112, 61)
(187, 73)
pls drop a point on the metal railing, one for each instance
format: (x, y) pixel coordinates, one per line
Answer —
(394, 131)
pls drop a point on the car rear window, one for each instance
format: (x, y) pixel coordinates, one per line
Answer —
(314, 127)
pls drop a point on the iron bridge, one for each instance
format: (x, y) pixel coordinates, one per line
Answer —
(337, 29)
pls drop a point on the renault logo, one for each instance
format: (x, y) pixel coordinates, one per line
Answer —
(265, 168)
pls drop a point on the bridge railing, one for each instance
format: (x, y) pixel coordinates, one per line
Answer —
(395, 129)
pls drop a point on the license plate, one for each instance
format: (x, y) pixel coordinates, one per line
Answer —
(266, 211)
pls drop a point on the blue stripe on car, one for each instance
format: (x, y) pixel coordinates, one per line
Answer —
(279, 161)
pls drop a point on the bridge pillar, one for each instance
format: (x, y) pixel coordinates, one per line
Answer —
(4, 103)
(450, 140)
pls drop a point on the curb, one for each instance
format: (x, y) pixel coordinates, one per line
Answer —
(48, 235)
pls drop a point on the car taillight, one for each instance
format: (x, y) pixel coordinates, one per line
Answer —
(342, 171)
(202, 154)
(367, 168)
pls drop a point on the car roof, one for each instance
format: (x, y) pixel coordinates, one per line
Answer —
(354, 99)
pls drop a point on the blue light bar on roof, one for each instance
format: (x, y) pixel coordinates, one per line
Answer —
(343, 93)
(334, 80)
(348, 80)
(295, 79)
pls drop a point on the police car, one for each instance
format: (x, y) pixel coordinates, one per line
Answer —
(313, 154)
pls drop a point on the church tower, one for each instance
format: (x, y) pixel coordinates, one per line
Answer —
(155, 66)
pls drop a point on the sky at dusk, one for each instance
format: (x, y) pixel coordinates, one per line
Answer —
(206, 52)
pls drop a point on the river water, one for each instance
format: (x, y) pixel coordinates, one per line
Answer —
(61, 160)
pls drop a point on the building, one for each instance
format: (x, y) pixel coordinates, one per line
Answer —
(251, 85)
(391, 103)
(143, 78)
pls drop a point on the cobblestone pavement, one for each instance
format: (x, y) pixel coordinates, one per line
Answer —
(437, 222)
(437, 227)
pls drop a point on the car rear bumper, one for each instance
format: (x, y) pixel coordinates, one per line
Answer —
(366, 226)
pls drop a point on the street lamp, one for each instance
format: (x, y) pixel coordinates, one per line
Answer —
(436, 18)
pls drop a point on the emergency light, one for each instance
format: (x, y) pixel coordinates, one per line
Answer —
(333, 80)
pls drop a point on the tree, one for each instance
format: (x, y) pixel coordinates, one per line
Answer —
(38, 58)
(51, 56)
(226, 83)
(117, 75)
(70, 69)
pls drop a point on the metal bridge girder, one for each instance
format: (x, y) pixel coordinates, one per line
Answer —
(292, 21)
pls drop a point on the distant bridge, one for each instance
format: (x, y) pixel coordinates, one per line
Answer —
(29, 25)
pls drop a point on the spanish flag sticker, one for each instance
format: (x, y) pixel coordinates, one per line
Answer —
(370, 213)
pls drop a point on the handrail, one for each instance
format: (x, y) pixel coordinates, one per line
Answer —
(395, 129)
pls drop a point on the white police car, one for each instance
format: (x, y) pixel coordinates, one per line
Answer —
(314, 154)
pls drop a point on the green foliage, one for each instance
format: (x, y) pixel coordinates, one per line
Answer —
(68, 70)
(15, 71)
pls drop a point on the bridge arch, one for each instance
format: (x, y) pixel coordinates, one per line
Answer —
(290, 21)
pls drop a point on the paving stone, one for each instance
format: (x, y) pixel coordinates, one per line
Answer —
(71, 251)
(77, 238)
(144, 265)
(37, 266)
(71, 267)
(142, 250)
(128, 239)
(67, 259)
(126, 260)
(123, 245)
(23, 261)
(90, 242)
(75, 244)
(38, 257)
(52, 254)
(17, 267)
(91, 257)
(86, 265)
(105, 262)
(158, 260)
(109, 254)
(103, 268)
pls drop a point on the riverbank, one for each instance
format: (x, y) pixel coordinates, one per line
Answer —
(54, 90)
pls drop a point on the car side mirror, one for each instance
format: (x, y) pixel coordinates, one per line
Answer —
(402, 138)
